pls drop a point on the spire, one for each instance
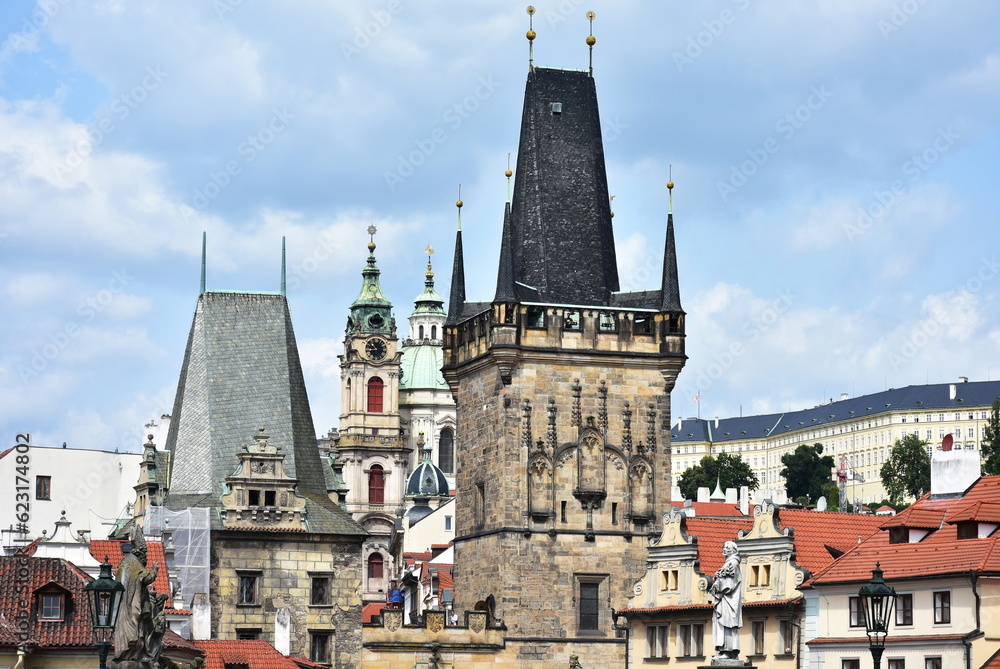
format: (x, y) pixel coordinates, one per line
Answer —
(531, 38)
(591, 40)
(561, 241)
(371, 310)
(670, 293)
(456, 301)
(204, 242)
(282, 265)
(428, 302)
(506, 291)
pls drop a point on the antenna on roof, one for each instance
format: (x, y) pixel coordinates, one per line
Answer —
(203, 247)
(531, 38)
(282, 265)
(591, 40)
(459, 203)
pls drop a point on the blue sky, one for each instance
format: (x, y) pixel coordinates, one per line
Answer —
(835, 199)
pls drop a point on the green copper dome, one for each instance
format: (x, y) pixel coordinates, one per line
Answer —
(421, 368)
(371, 311)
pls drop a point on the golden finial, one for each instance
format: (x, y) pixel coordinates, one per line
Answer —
(611, 201)
(531, 38)
(591, 40)
(430, 271)
(670, 189)
(508, 174)
(459, 203)
(371, 238)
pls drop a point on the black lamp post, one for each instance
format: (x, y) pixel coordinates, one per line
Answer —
(878, 600)
(105, 596)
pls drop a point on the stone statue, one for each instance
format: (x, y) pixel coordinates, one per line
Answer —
(728, 616)
(138, 634)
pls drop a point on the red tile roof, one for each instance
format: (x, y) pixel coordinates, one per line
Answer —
(917, 517)
(111, 550)
(16, 593)
(371, 610)
(255, 653)
(983, 512)
(993, 662)
(940, 553)
(712, 533)
(815, 531)
(306, 663)
(889, 640)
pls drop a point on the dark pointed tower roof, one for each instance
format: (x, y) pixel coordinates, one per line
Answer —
(456, 300)
(561, 241)
(506, 290)
(670, 292)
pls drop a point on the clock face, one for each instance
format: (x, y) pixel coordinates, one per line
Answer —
(376, 349)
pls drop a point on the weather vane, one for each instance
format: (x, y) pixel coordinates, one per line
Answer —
(429, 251)
(371, 232)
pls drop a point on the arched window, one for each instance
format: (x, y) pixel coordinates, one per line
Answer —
(376, 565)
(375, 388)
(434, 332)
(446, 451)
(421, 337)
(376, 485)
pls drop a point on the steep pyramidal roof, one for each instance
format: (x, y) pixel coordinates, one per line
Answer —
(560, 241)
(241, 371)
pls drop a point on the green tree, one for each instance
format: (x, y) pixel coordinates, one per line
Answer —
(807, 472)
(731, 471)
(907, 470)
(991, 444)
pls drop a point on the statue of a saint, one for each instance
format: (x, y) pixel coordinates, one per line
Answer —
(139, 631)
(728, 617)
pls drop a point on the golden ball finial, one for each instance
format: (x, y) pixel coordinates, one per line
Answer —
(459, 203)
(530, 10)
(591, 40)
(530, 35)
(670, 185)
(591, 16)
(612, 214)
(508, 174)
(371, 247)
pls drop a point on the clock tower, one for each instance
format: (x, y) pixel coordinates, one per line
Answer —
(374, 453)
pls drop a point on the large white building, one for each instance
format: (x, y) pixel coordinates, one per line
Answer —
(93, 488)
(858, 432)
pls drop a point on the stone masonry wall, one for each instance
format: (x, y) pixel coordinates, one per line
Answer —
(285, 565)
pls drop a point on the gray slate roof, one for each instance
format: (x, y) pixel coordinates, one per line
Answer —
(241, 371)
(927, 398)
(560, 239)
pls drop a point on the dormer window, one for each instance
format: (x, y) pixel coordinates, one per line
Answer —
(898, 535)
(968, 530)
(51, 606)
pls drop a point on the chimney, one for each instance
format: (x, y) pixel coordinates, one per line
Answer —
(201, 618)
(703, 494)
(843, 396)
(963, 379)
(952, 391)
(680, 423)
(952, 472)
(716, 422)
(745, 500)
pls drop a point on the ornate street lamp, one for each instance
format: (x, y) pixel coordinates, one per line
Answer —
(878, 600)
(105, 596)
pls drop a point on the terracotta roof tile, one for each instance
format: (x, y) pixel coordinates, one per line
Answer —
(254, 653)
(993, 662)
(74, 630)
(983, 512)
(939, 553)
(111, 550)
(815, 531)
(712, 533)
(371, 610)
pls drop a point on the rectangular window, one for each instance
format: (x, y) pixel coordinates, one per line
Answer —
(589, 593)
(670, 579)
(571, 320)
(248, 633)
(932, 663)
(319, 594)
(43, 487)
(904, 609)
(447, 523)
(319, 647)
(270, 498)
(253, 497)
(690, 639)
(51, 607)
(608, 322)
(850, 664)
(247, 588)
(643, 325)
(942, 608)
(536, 317)
(757, 634)
(897, 663)
(786, 636)
(857, 612)
(656, 640)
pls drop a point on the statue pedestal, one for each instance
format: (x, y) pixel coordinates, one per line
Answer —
(744, 664)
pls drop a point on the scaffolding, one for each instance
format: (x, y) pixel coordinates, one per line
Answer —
(190, 535)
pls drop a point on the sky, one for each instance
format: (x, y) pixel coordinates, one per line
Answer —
(835, 201)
